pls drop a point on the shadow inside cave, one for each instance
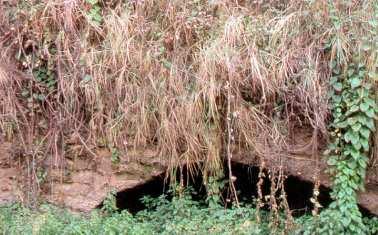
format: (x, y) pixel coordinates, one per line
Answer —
(298, 191)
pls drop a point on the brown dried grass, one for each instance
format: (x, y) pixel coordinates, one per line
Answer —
(162, 73)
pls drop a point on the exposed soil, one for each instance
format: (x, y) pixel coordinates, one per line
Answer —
(82, 183)
(9, 187)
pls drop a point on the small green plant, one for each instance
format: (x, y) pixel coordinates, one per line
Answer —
(46, 78)
(214, 188)
(115, 157)
(94, 14)
(110, 203)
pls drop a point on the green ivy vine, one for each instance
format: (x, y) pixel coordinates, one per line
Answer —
(353, 111)
(353, 122)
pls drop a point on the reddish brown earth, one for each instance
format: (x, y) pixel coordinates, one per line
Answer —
(9, 185)
(83, 182)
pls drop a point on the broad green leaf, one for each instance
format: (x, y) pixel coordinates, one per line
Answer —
(355, 82)
(370, 124)
(364, 107)
(356, 127)
(365, 144)
(369, 101)
(355, 154)
(332, 161)
(338, 86)
(370, 113)
(354, 137)
(352, 110)
(341, 124)
(352, 120)
(352, 165)
(365, 132)
(362, 162)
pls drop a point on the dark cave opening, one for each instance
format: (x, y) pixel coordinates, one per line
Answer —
(298, 191)
(130, 199)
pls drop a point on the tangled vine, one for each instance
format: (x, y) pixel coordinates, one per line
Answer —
(353, 112)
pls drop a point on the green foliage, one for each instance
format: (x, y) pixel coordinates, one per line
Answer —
(181, 215)
(115, 157)
(45, 78)
(94, 14)
(46, 83)
(214, 188)
(110, 205)
(353, 112)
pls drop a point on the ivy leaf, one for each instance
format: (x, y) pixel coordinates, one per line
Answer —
(364, 107)
(333, 80)
(365, 132)
(341, 125)
(352, 165)
(352, 120)
(362, 119)
(346, 221)
(357, 145)
(369, 101)
(370, 113)
(355, 82)
(352, 110)
(350, 72)
(355, 154)
(362, 162)
(338, 86)
(332, 161)
(352, 137)
(356, 127)
(336, 98)
(365, 144)
(348, 137)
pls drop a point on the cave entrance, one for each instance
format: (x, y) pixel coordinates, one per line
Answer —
(298, 191)
(130, 199)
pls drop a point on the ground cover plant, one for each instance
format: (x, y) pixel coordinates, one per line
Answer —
(162, 216)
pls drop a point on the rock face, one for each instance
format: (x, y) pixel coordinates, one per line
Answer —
(90, 180)
(82, 183)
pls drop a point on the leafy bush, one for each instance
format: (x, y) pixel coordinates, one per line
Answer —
(162, 216)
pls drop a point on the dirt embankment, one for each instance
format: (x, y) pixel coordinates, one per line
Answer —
(82, 183)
